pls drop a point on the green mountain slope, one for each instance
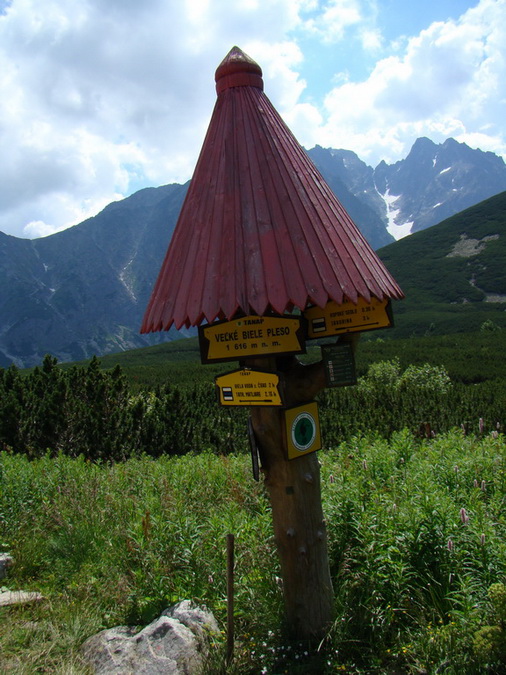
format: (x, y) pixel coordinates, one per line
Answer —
(453, 274)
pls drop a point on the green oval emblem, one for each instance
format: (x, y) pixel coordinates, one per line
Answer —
(303, 431)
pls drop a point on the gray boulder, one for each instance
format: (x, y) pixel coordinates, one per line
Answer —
(5, 562)
(177, 643)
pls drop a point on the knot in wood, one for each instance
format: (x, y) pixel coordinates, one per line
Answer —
(290, 532)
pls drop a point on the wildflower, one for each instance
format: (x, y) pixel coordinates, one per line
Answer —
(482, 540)
(331, 478)
(464, 518)
(456, 468)
(481, 425)
(364, 465)
(475, 483)
(483, 486)
(449, 545)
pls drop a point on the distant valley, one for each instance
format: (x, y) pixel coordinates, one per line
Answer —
(83, 291)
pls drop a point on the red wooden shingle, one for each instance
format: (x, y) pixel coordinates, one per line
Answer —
(259, 231)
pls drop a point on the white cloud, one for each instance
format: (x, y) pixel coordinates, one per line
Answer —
(329, 21)
(38, 228)
(101, 97)
(449, 81)
(279, 61)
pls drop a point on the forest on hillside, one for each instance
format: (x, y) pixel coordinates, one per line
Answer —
(103, 414)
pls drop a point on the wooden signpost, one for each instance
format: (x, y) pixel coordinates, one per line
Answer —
(260, 235)
(283, 415)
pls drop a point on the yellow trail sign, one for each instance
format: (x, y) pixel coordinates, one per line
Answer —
(251, 336)
(348, 317)
(249, 387)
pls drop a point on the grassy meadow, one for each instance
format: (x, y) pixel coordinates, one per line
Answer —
(413, 487)
(417, 549)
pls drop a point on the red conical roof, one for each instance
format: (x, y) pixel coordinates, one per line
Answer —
(259, 231)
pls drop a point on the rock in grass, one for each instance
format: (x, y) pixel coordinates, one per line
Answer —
(199, 620)
(9, 598)
(176, 643)
(5, 562)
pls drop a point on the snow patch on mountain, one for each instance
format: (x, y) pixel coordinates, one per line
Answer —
(123, 277)
(397, 230)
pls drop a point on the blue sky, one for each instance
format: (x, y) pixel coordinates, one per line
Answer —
(99, 98)
(392, 21)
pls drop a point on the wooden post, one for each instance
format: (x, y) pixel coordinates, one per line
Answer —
(294, 489)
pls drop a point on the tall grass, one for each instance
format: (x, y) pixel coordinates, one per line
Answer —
(416, 537)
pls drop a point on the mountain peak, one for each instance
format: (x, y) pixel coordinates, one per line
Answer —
(423, 142)
(82, 291)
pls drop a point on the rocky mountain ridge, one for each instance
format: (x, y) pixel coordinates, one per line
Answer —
(432, 183)
(83, 291)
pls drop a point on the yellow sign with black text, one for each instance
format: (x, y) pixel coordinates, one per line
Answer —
(251, 336)
(249, 387)
(348, 317)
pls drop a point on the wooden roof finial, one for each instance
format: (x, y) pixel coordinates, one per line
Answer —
(238, 70)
